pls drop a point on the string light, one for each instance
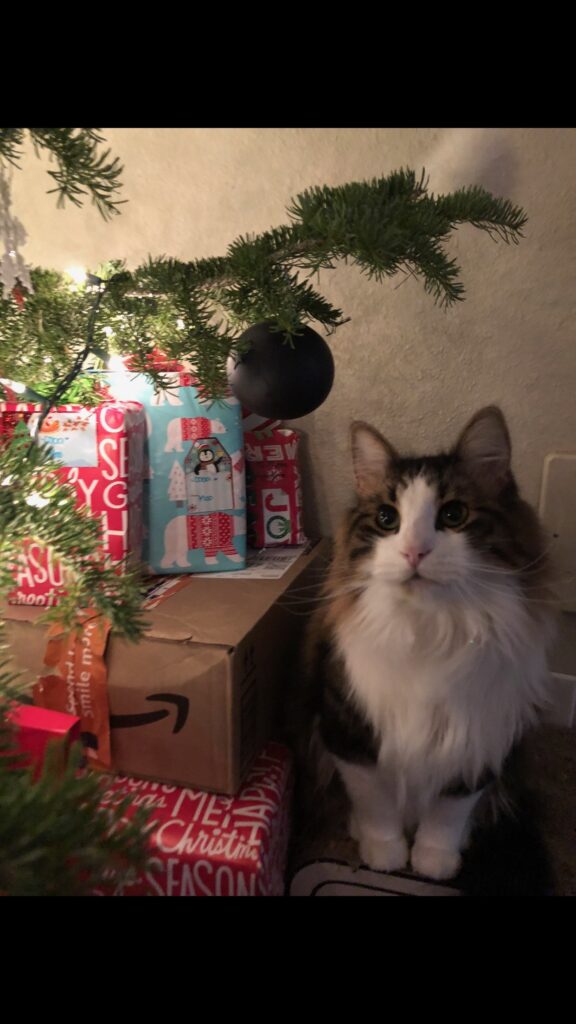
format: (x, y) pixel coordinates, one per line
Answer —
(78, 275)
(13, 385)
(122, 385)
(37, 501)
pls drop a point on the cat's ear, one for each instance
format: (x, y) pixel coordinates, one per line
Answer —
(371, 458)
(484, 447)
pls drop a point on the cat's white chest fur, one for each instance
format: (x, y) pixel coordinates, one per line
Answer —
(447, 686)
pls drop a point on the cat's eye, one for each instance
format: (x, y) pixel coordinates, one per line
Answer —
(453, 514)
(388, 517)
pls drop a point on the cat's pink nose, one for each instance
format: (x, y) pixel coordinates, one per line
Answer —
(413, 556)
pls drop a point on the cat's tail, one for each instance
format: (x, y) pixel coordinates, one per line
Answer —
(507, 854)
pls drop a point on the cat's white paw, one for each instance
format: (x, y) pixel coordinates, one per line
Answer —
(435, 862)
(383, 854)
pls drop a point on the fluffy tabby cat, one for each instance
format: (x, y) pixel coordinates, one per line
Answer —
(429, 650)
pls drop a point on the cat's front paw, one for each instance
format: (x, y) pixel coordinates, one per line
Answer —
(435, 862)
(383, 854)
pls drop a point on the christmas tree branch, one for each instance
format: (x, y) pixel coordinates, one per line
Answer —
(76, 369)
(81, 169)
(197, 311)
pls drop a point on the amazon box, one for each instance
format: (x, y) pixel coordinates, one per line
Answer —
(195, 701)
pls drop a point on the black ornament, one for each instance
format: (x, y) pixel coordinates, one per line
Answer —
(282, 378)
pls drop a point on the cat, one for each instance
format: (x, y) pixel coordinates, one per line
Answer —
(427, 654)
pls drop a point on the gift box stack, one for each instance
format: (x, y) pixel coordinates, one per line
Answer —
(165, 472)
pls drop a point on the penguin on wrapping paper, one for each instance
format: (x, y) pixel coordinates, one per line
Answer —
(207, 462)
(208, 472)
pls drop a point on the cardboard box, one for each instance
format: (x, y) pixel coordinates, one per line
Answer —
(195, 701)
(204, 844)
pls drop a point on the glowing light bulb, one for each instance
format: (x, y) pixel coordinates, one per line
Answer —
(123, 385)
(37, 501)
(14, 385)
(78, 275)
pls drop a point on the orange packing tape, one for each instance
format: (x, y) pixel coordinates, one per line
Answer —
(75, 680)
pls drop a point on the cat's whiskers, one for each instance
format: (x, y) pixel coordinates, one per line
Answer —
(292, 601)
(294, 595)
(516, 570)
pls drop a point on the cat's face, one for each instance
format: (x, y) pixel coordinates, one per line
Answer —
(438, 522)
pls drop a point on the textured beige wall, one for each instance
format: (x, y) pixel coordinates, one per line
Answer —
(413, 370)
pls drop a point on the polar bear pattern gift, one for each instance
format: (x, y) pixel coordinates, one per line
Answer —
(194, 499)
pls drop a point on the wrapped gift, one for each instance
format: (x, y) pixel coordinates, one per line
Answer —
(36, 727)
(203, 844)
(74, 680)
(259, 425)
(194, 487)
(273, 487)
(100, 451)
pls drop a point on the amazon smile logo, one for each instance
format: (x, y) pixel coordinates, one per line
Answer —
(179, 703)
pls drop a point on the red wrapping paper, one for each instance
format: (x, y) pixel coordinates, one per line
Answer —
(36, 727)
(204, 844)
(273, 489)
(100, 451)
